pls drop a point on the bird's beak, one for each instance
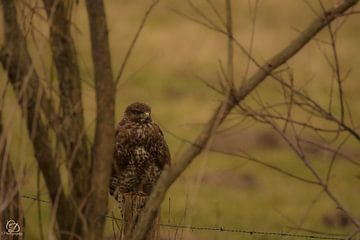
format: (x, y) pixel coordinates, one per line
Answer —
(147, 116)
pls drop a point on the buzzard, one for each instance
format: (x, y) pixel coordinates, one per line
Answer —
(140, 155)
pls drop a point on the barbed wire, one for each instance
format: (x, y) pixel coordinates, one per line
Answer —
(327, 236)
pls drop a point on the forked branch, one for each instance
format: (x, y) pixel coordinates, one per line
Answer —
(224, 108)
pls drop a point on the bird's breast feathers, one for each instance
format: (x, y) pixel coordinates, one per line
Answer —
(140, 134)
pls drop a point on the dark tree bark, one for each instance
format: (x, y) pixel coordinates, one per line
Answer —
(16, 59)
(82, 214)
(72, 129)
(104, 133)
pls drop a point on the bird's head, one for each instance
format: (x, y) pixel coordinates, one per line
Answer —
(138, 112)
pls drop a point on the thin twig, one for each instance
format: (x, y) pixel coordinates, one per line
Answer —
(134, 40)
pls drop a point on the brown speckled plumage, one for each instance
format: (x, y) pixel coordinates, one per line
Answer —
(141, 152)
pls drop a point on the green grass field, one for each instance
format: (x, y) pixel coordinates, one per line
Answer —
(217, 189)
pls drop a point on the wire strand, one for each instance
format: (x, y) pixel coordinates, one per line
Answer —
(221, 229)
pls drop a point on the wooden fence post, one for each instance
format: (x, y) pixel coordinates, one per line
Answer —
(131, 208)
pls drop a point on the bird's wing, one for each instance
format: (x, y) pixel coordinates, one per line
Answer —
(163, 153)
(122, 139)
(120, 159)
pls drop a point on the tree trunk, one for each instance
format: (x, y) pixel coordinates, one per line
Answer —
(72, 132)
(103, 147)
(131, 208)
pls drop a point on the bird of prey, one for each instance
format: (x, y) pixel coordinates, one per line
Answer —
(140, 155)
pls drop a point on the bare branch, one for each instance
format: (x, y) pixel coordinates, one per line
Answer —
(212, 6)
(299, 152)
(16, 60)
(105, 118)
(201, 22)
(318, 110)
(251, 44)
(202, 15)
(72, 119)
(170, 175)
(230, 45)
(133, 42)
(246, 156)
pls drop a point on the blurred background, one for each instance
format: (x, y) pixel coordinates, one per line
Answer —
(170, 57)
